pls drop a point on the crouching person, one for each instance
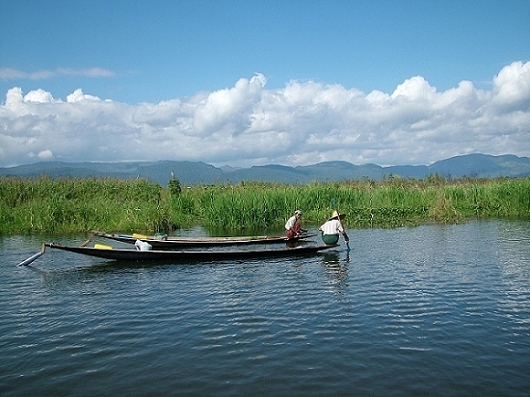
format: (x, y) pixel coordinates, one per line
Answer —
(293, 226)
(332, 229)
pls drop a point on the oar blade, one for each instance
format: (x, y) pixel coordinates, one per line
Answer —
(32, 258)
(29, 260)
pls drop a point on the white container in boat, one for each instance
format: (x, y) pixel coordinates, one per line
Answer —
(142, 245)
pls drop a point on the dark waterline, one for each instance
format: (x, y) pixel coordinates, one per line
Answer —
(426, 311)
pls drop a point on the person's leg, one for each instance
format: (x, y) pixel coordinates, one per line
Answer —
(296, 228)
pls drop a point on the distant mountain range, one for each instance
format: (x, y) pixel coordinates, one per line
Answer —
(194, 173)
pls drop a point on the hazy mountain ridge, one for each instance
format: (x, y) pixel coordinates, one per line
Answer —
(194, 173)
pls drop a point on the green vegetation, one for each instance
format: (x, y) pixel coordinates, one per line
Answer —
(69, 205)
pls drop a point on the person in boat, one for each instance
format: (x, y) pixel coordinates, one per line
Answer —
(293, 227)
(332, 229)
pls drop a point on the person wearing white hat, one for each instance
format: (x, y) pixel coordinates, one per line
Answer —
(292, 226)
(332, 228)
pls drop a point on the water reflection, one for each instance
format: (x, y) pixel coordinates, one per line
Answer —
(514, 267)
(337, 269)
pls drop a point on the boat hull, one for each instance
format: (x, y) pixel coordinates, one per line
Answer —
(190, 255)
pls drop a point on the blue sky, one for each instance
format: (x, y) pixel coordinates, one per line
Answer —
(289, 82)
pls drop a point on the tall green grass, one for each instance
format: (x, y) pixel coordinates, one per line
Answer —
(68, 205)
(72, 205)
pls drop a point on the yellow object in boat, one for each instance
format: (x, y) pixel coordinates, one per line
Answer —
(102, 247)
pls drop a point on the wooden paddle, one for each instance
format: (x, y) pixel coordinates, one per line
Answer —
(30, 260)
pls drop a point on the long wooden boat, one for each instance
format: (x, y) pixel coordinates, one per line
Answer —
(107, 252)
(176, 242)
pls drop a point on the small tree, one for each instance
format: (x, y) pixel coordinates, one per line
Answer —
(174, 186)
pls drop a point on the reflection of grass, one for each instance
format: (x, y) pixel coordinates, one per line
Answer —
(81, 204)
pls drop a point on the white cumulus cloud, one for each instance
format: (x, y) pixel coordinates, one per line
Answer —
(301, 123)
(45, 154)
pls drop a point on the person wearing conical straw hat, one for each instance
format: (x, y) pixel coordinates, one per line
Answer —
(332, 229)
(293, 226)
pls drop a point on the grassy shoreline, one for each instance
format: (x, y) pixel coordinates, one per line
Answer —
(71, 205)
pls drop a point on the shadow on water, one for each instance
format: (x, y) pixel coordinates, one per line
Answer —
(84, 274)
(75, 273)
(64, 277)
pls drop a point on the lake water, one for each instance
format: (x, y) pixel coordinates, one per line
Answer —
(437, 310)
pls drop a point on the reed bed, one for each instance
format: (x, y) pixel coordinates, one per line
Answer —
(68, 205)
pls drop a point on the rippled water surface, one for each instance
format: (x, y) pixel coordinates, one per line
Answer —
(426, 311)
